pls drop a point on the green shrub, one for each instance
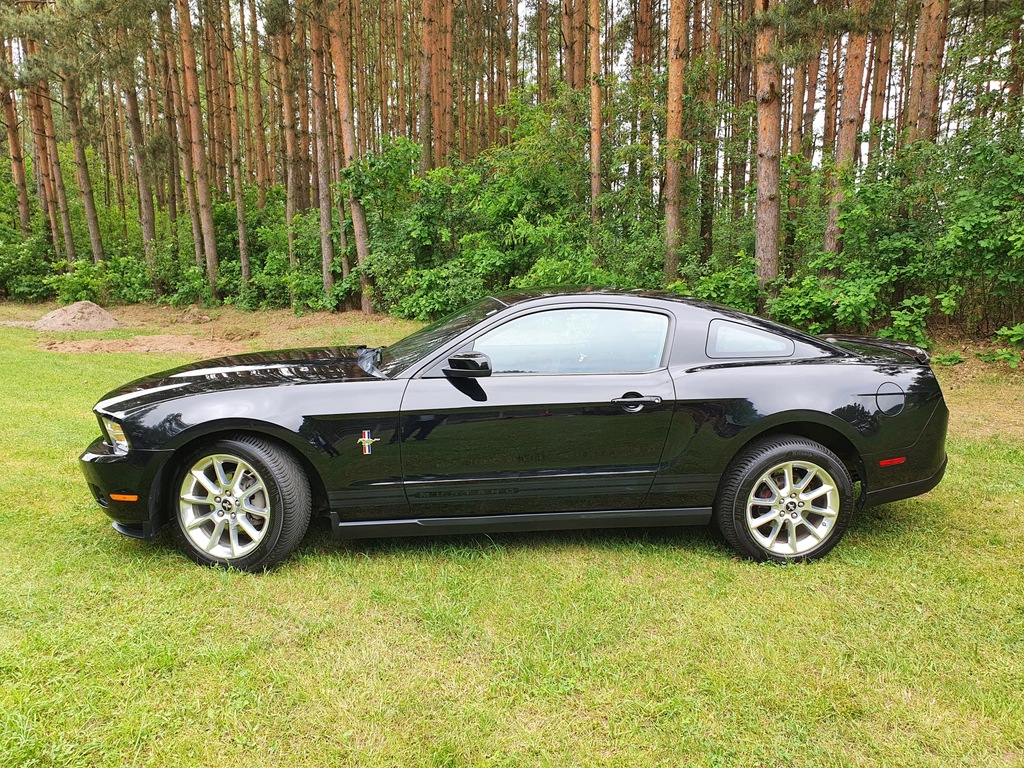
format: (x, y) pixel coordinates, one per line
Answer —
(24, 272)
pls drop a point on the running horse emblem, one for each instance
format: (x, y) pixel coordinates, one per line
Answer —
(367, 442)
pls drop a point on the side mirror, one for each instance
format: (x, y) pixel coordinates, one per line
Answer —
(468, 365)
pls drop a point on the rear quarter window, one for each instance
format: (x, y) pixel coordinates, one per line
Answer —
(728, 340)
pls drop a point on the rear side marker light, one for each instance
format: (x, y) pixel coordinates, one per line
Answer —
(124, 497)
(892, 462)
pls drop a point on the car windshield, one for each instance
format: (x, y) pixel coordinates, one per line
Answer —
(406, 352)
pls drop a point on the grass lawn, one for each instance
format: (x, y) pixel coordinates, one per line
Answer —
(904, 647)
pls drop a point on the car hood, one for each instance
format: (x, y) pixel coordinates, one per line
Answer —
(287, 367)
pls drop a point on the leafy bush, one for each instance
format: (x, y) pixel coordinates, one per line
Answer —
(1012, 336)
(1000, 355)
(949, 358)
(23, 268)
(80, 281)
(908, 321)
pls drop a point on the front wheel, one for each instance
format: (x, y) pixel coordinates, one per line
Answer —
(241, 502)
(785, 498)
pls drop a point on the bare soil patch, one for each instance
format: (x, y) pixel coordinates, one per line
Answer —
(202, 332)
(985, 400)
(162, 344)
(80, 316)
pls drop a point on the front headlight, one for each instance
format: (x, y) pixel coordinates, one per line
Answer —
(115, 435)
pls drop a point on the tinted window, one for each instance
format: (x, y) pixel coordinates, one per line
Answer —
(577, 341)
(727, 339)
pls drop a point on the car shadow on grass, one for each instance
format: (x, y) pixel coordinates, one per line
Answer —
(319, 542)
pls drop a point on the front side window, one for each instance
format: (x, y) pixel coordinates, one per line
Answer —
(585, 340)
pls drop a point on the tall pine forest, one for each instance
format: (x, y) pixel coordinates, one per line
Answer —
(840, 165)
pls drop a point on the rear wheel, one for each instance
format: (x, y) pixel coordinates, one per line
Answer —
(241, 502)
(785, 498)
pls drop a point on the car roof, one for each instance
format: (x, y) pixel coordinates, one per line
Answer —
(576, 293)
(511, 298)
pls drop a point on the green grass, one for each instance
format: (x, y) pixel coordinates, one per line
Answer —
(904, 647)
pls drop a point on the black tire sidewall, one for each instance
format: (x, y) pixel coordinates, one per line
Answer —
(255, 457)
(730, 507)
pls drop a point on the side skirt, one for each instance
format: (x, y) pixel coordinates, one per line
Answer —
(550, 521)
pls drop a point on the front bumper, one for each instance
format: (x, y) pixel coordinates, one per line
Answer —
(114, 478)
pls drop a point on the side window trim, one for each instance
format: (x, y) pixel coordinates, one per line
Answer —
(663, 352)
(587, 363)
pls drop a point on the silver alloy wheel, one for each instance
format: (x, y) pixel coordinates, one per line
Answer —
(224, 506)
(792, 508)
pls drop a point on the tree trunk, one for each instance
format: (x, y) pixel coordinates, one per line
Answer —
(263, 173)
(120, 161)
(291, 161)
(147, 217)
(426, 88)
(849, 121)
(319, 97)
(543, 68)
(402, 122)
(879, 91)
(184, 134)
(243, 82)
(105, 151)
(570, 43)
(709, 143)
(1016, 85)
(15, 149)
(796, 133)
(828, 140)
(41, 165)
(810, 108)
(769, 128)
(74, 112)
(933, 52)
(45, 99)
(595, 110)
(343, 65)
(234, 144)
(175, 199)
(195, 118)
(674, 226)
(741, 124)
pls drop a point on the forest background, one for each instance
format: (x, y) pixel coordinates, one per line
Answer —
(838, 165)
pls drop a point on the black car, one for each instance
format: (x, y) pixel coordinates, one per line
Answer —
(529, 411)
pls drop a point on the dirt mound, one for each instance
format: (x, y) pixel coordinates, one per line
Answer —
(193, 316)
(81, 316)
(162, 344)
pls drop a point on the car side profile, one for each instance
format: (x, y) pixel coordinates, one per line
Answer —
(529, 411)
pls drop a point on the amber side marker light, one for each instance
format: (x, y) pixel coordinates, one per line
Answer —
(892, 462)
(124, 497)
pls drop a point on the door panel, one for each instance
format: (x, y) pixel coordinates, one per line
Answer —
(532, 443)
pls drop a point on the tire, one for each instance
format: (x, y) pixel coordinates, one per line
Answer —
(784, 499)
(240, 502)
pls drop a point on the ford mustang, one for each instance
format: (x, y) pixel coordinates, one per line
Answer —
(528, 411)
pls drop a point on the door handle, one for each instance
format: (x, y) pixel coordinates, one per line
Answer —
(634, 402)
(637, 400)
